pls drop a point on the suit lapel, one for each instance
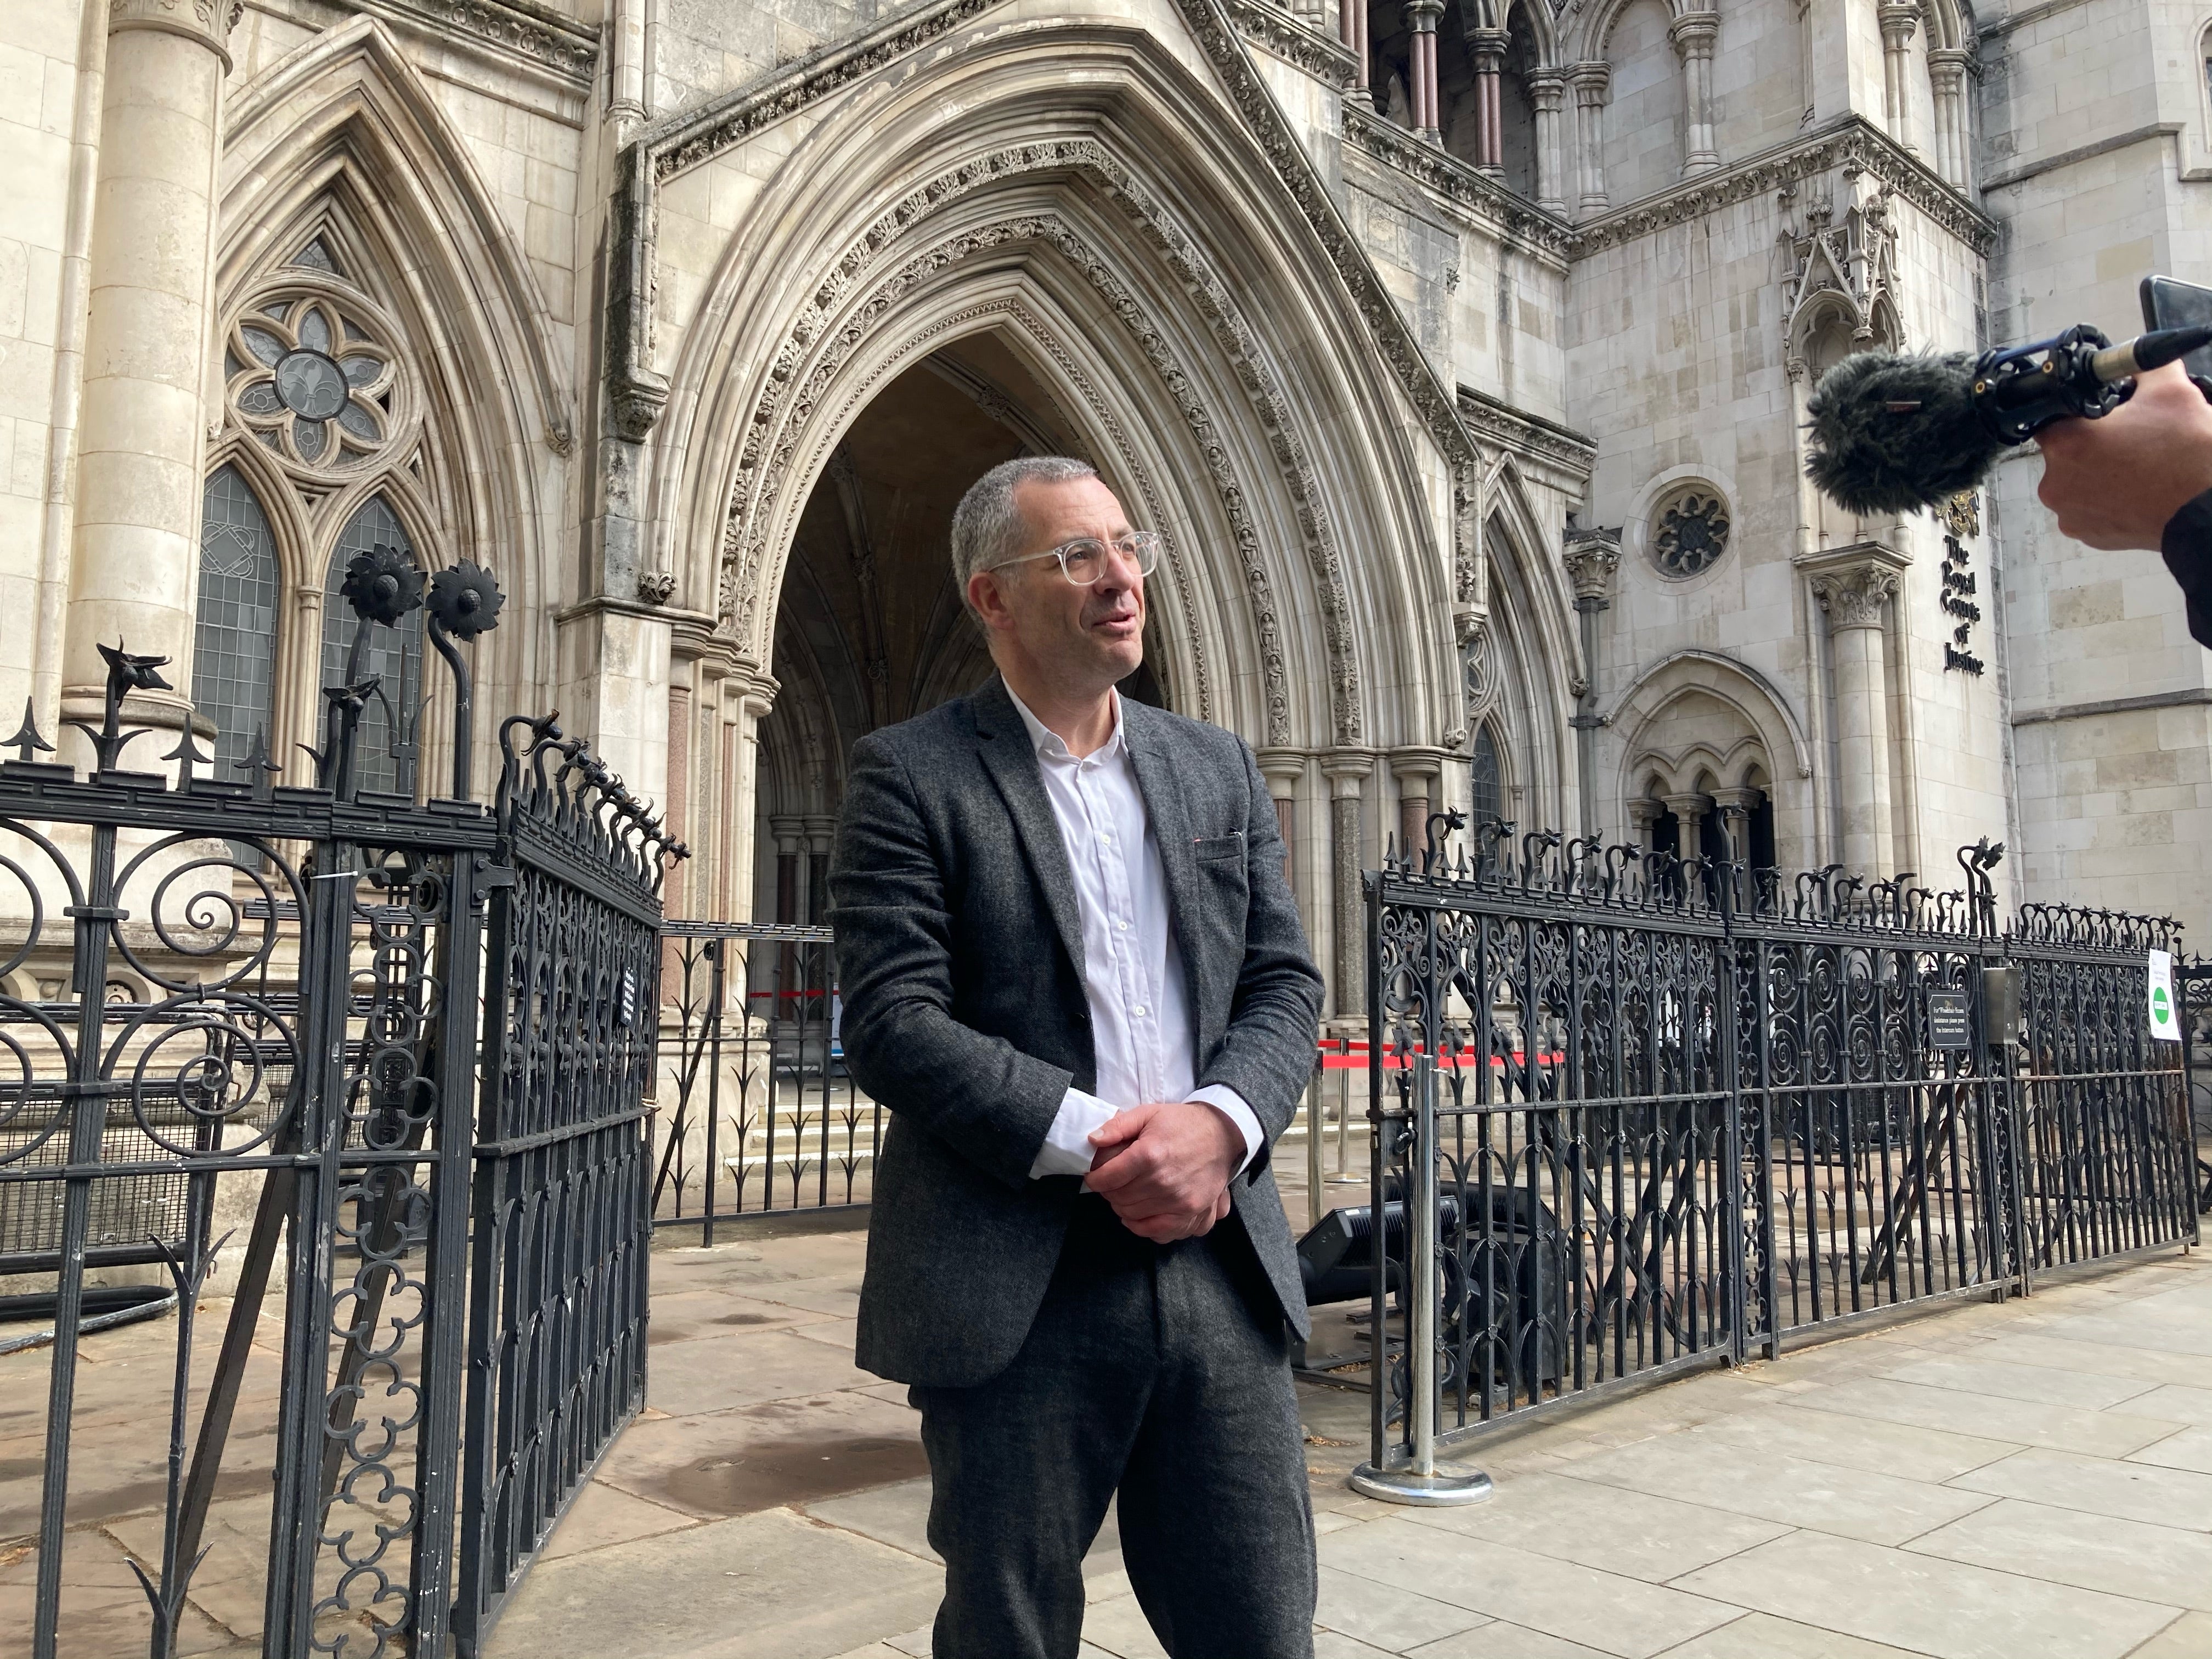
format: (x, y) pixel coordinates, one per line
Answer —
(1003, 741)
(1170, 822)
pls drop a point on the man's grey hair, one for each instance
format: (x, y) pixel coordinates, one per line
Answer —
(988, 526)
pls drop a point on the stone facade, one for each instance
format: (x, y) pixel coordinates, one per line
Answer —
(1460, 350)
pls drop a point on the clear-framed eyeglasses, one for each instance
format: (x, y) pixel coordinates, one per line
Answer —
(1083, 560)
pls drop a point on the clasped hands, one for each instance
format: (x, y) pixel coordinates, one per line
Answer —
(1165, 1168)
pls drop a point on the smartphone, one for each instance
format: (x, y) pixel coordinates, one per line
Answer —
(2170, 304)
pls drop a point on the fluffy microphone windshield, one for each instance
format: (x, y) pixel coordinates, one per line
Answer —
(1893, 432)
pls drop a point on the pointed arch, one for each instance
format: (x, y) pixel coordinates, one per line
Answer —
(1102, 253)
(343, 140)
(1532, 635)
(1765, 732)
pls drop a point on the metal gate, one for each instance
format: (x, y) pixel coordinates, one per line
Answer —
(210, 982)
(1676, 1111)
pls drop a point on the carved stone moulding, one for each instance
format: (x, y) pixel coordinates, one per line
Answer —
(841, 315)
(1855, 584)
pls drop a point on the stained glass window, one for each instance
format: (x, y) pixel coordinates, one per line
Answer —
(382, 759)
(235, 640)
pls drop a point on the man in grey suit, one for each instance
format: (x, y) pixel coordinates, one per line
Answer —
(1072, 971)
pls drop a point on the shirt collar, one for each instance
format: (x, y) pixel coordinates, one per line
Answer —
(1048, 743)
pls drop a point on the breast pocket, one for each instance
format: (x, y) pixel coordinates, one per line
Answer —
(1208, 848)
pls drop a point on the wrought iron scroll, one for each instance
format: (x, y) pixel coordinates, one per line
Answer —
(563, 1217)
(1689, 1109)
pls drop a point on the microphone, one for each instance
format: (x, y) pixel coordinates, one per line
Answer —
(1894, 431)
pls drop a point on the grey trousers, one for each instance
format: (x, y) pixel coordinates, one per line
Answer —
(1148, 1370)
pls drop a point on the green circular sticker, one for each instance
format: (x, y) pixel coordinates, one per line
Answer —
(2161, 1005)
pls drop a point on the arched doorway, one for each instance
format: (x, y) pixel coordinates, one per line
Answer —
(870, 629)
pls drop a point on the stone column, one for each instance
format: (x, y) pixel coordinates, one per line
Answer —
(1692, 33)
(135, 562)
(1898, 18)
(821, 832)
(1420, 772)
(1946, 75)
(1547, 91)
(1347, 771)
(1351, 28)
(1421, 19)
(1590, 82)
(1642, 813)
(1689, 813)
(1855, 595)
(1488, 49)
(625, 37)
(1734, 807)
(1592, 557)
(1283, 768)
(747, 695)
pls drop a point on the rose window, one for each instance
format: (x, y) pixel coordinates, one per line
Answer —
(1691, 533)
(310, 377)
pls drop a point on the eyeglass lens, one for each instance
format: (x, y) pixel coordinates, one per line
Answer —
(1085, 559)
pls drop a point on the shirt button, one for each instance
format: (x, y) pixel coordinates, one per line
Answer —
(1123, 926)
(1138, 1012)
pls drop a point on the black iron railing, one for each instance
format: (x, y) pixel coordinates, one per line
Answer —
(765, 1119)
(205, 980)
(1678, 1112)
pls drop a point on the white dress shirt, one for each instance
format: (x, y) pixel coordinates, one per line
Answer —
(1133, 981)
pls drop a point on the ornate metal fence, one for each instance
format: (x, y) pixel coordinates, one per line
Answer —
(210, 982)
(1679, 1111)
(766, 1118)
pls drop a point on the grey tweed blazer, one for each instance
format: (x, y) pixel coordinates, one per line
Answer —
(960, 956)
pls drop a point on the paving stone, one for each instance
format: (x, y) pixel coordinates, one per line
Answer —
(2028, 1423)
(1621, 1530)
(2129, 1490)
(1606, 1611)
(2100, 1552)
(2190, 1450)
(1703, 1467)
(2040, 1383)
(1797, 1429)
(2189, 1637)
(1380, 1616)
(715, 1374)
(771, 1582)
(1505, 1641)
(1944, 1608)
(1762, 1636)
(722, 1463)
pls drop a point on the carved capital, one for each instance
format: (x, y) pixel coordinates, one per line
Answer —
(635, 403)
(1421, 16)
(1590, 81)
(1898, 18)
(656, 587)
(1548, 90)
(1854, 595)
(207, 22)
(1347, 771)
(1692, 33)
(1416, 763)
(1487, 47)
(1592, 557)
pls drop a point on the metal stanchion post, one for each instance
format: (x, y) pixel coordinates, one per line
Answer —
(1424, 1482)
(1315, 1111)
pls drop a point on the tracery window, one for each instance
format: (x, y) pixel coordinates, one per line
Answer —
(326, 455)
(1690, 532)
(1486, 781)
(234, 641)
(384, 752)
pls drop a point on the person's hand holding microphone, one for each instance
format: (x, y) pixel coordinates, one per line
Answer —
(2118, 482)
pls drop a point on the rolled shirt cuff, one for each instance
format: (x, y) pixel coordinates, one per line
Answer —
(1230, 1104)
(1068, 1149)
